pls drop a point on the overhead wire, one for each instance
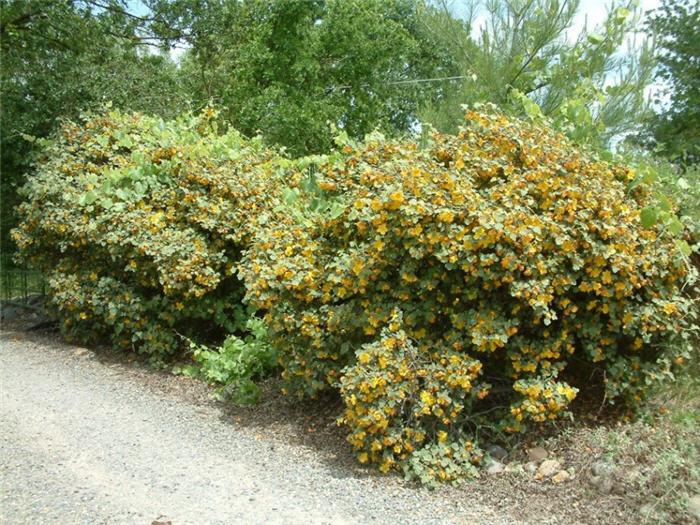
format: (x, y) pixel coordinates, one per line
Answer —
(396, 82)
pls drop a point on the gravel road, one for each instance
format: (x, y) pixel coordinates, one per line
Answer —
(83, 442)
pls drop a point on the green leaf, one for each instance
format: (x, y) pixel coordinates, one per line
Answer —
(190, 371)
(683, 247)
(664, 203)
(336, 210)
(650, 176)
(290, 196)
(675, 226)
(102, 140)
(89, 197)
(649, 216)
(621, 15)
(596, 39)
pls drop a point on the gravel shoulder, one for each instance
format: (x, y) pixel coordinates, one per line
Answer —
(94, 436)
(93, 440)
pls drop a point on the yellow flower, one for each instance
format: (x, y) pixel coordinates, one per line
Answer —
(446, 216)
(427, 398)
(396, 198)
(669, 308)
(357, 267)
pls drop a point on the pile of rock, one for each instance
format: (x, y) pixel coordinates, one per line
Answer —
(538, 464)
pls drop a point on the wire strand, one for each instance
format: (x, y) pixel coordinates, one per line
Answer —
(396, 82)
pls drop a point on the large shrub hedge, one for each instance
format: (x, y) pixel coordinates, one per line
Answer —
(139, 224)
(476, 282)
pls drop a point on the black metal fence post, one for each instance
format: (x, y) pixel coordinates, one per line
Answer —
(19, 282)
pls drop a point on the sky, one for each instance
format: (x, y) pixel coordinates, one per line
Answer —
(596, 10)
(592, 12)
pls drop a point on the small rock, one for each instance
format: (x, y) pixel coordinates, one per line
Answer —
(548, 468)
(650, 512)
(514, 468)
(494, 467)
(497, 452)
(602, 468)
(537, 454)
(561, 476)
(604, 484)
(530, 467)
(694, 505)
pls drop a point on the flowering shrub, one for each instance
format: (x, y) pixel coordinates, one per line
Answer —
(478, 281)
(138, 225)
(401, 406)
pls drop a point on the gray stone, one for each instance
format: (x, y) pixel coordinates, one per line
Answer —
(694, 506)
(9, 312)
(494, 467)
(548, 468)
(82, 352)
(602, 468)
(497, 452)
(561, 476)
(537, 454)
(604, 484)
(530, 467)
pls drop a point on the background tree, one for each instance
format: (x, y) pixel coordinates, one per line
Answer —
(289, 69)
(60, 58)
(589, 84)
(675, 129)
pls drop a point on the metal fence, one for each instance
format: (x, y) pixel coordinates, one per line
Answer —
(18, 282)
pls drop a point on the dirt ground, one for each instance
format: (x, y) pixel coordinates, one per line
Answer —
(645, 471)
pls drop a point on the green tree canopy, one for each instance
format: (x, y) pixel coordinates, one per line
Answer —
(676, 128)
(289, 69)
(60, 58)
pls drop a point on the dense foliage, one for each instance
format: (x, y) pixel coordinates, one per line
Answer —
(61, 58)
(478, 282)
(138, 225)
(289, 69)
(236, 365)
(475, 282)
(675, 130)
